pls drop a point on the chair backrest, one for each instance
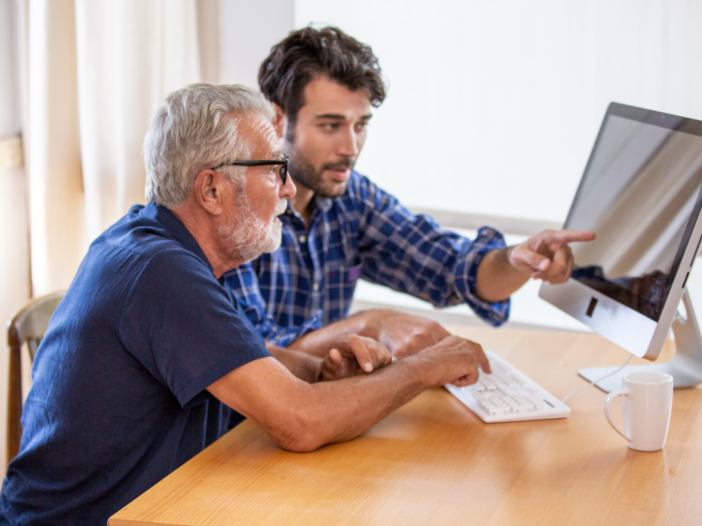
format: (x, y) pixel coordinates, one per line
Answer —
(28, 326)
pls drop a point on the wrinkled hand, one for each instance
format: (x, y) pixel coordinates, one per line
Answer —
(459, 361)
(402, 334)
(352, 355)
(547, 255)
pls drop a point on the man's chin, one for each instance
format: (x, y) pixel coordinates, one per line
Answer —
(332, 189)
(273, 247)
(260, 241)
(275, 238)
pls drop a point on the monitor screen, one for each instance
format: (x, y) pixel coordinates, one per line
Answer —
(641, 194)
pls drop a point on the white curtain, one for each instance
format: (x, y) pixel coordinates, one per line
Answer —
(52, 142)
(95, 73)
(129, 55)
(14, 243)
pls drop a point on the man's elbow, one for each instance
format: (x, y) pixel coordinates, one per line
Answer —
(300, 444)
(301, 436)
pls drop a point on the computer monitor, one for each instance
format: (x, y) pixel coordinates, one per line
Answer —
(641, 193)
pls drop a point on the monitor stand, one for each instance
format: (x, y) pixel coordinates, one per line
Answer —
(685, 367)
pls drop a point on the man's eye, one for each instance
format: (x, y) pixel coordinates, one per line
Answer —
(331, 126)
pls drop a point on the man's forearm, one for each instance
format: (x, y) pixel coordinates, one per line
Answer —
(300, 364)
(302, 417)
(401, 333)
(360, 402)
(546, 256)
(497, 279)
(319, 342)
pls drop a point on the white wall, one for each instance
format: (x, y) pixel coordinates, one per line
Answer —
(247, 30)
(499, 101)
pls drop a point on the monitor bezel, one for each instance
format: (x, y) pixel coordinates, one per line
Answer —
(628, 328)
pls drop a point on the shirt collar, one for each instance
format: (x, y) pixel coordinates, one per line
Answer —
(177, 230)
(323, 203)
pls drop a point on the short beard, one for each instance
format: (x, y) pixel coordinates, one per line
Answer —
(249, 237)
(306, 174)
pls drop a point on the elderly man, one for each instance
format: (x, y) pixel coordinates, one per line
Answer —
(147, 357)
(341, 227)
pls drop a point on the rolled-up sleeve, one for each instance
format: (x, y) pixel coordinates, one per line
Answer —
(412, 254)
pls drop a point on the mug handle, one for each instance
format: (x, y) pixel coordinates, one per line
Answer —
(607, 404)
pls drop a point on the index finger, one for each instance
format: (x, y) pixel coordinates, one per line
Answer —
(563, 237)
(482, 359)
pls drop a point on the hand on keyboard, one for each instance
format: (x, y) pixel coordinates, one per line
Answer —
(508, 395)
(458, 361)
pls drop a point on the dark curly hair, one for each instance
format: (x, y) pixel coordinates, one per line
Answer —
(309, 53)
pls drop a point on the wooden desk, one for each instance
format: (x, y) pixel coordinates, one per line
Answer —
(434, 462)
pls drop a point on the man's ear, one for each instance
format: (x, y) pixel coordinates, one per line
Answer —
(208, 191)
(280, 121)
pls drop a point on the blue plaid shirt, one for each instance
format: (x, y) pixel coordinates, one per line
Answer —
(309, 282)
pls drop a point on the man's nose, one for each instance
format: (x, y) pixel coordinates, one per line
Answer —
(288, 190)
(348, 144)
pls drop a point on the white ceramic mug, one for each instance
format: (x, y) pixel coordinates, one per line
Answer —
(647, 399)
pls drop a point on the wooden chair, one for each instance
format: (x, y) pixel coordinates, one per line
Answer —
(28, 326)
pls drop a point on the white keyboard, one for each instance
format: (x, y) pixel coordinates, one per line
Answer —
(508, 395)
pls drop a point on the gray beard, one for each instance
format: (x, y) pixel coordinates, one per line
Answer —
(249, 237)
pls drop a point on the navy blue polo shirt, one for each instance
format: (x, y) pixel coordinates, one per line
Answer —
(119, 396)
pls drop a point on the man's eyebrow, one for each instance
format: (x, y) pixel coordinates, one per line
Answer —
(334, 116)
(338, 117)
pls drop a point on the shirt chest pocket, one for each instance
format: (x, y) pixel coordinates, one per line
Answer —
(343, 276)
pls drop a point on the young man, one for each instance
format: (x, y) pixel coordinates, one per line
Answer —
(340, 226)
(147, 359)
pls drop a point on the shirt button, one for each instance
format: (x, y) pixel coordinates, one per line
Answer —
(315, 287)
(302, 239)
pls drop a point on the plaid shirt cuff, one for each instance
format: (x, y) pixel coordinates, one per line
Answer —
(488, 239)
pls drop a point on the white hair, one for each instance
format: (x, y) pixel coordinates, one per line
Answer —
(189, 133)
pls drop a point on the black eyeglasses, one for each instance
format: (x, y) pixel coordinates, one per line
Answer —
(283, 166)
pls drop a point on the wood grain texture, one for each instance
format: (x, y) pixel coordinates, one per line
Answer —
(434, 462)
